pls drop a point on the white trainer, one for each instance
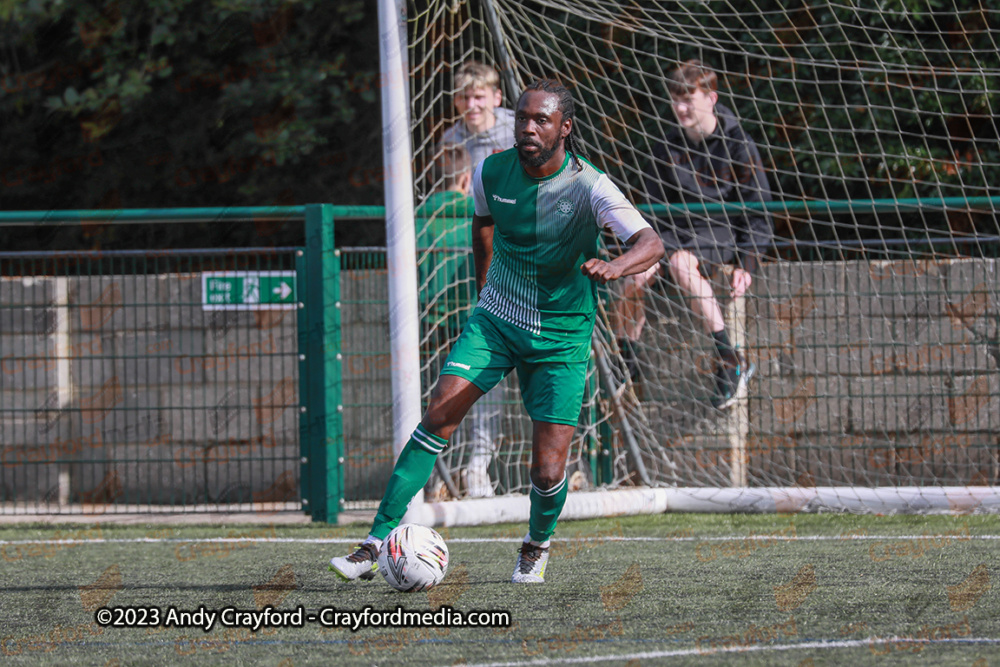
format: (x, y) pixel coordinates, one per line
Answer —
(530, 566)
(362, 564)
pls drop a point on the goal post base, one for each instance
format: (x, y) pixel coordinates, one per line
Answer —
(603, 503)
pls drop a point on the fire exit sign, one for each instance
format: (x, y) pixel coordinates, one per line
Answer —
(248, 290)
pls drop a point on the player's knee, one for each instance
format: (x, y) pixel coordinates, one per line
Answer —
(450, 401)
(546, 478)
(439, 418)
(436, 420)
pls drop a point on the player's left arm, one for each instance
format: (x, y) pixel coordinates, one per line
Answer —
(645, 249)
(618, 214)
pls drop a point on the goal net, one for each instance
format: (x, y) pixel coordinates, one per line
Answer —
(873, 322)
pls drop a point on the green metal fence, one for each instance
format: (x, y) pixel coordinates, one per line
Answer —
(198, 380)
(367, 382)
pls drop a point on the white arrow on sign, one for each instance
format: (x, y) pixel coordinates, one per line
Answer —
(284, 290)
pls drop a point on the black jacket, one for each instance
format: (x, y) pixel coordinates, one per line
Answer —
(726, 167)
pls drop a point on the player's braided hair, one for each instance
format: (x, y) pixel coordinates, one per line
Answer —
(567, 107)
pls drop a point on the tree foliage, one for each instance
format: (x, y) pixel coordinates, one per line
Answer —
(176, 103)
(890, 100)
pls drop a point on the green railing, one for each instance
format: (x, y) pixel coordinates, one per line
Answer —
(153, 380)
(792, 207)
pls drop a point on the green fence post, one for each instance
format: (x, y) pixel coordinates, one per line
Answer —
(301, 271)
(320, 381)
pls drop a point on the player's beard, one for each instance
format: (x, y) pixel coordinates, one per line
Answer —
(543, 155)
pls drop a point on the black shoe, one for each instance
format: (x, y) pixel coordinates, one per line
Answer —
(731, 382)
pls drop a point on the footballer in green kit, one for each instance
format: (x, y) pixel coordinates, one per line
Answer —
(539, 211)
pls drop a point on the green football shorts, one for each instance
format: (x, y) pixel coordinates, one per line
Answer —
(552, 374)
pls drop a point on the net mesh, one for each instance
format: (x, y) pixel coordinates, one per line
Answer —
(874, 322)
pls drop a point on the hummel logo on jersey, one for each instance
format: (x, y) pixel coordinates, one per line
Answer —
(455, 363)
(504, 201)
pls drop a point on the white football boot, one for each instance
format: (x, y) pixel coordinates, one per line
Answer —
(531, 561)
(362, 564)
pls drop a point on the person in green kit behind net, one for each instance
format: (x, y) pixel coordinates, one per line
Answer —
(447, 297)
(444, 231)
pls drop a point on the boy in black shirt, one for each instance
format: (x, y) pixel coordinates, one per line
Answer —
(706, 158)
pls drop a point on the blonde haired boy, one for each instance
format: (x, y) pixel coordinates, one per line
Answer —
(484, 126)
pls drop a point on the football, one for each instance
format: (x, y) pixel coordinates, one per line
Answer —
(413, 558)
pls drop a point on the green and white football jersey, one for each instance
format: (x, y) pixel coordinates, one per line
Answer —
(544, 230)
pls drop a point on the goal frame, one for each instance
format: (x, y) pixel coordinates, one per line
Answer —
(653, 499)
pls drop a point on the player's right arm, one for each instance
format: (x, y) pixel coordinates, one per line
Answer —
(482, 229)
(482, 247)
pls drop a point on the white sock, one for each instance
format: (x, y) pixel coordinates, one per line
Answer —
(371, 539)
(544, 545)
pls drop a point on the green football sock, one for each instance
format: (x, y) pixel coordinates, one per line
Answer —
(412, 470)
(546, 506)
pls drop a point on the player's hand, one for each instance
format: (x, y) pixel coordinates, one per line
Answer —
(600, 271)
(741, 282)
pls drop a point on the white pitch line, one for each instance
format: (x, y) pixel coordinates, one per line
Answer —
(479, 540)
(651, 655)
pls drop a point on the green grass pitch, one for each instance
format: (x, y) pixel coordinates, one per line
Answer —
(668, 589)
